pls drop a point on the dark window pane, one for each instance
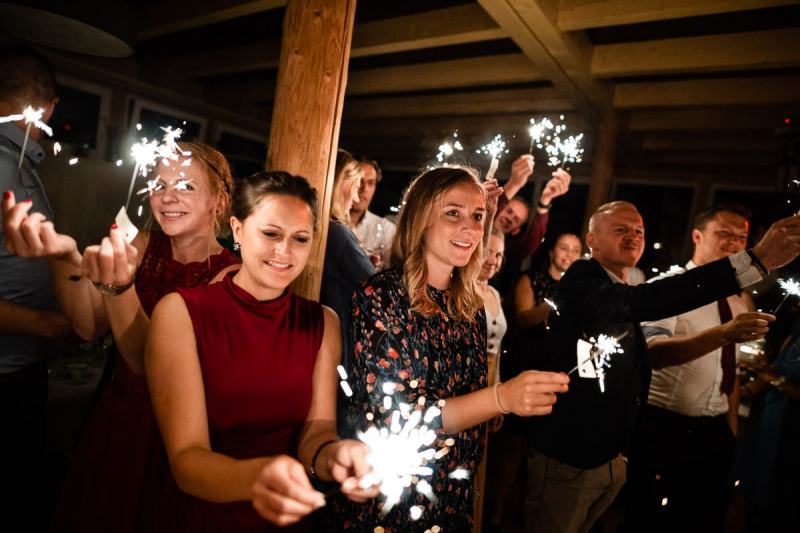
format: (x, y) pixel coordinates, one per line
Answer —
(76, 118)
(246, 156)
(152, 121)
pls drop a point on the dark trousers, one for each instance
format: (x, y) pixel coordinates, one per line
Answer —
(23, 409)
(678, 474)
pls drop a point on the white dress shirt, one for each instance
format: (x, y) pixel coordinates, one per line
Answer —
(693, 388)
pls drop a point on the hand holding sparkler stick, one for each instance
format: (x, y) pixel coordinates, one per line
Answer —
(532, 393)
(600, 353)
(32, 235)
(557, 186)
(746, 327)
(282, 492)
(780, 244)
(521, 170)
(112, 263)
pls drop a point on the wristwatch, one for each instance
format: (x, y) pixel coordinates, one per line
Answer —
(540, 205)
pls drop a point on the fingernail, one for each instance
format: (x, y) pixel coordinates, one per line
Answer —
(6, 195)
(26, 201)
(113, 226)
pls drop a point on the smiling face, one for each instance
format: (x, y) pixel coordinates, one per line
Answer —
(182, 202)
(617, 238)
(366, 190)
(454, 229)
(511, 219)
(566, 251)
(275, 242)
(493, 258)
(722, 236)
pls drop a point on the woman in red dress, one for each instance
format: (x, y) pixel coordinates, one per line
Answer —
(243, 378)
(119, 469)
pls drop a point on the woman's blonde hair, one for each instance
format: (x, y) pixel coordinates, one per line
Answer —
(347, 170)
(219, 175)
(408, 246)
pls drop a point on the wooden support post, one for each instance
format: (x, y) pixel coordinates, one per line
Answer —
(312, 76)
(602, 171)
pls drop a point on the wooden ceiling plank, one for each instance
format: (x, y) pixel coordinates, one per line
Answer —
(585, 14)
(730, 51)
(725, 119)
(563, 58)
(162, 18)
(766, 90)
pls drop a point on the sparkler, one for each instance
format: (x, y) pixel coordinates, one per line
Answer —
(600, 352)
(792, 288)
(146, 155)
(537, 130)
(32, 117)
(448, 148)
(496, 148)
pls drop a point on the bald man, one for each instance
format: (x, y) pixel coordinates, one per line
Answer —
(575, 465)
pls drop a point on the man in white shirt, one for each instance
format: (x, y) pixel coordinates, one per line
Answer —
(374, 233)
(685, 443)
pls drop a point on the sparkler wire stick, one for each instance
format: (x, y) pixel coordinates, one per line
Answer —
(596, 352)
(792, 288)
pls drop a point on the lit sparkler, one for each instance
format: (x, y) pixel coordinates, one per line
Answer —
(32, 117)
(400, 454)
(537, 131)
(146, 155)
(792, 288)
(600, 351)
(496, 148)
(448, 148)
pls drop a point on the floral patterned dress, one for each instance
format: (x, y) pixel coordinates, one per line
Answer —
(434, 357)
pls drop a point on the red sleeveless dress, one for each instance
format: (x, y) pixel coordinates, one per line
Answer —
(119, 467)
(257, 360)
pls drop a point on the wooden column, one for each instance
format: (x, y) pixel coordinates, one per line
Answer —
(309, 94)
(603, 170)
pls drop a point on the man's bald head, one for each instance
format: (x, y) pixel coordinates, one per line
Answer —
(616, 236)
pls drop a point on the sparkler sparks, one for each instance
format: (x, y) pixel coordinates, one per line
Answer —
(56, 148)
(496, 148)
(401, 453)
(447, 149)
(600, 351)
(791, 288)
(32, 117)
(537, 131)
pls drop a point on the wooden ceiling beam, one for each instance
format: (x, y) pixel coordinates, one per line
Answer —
(659, 142)
(563, 58)
(584, 14)
(708, 53)
(766, 90)
(758, 120)
(440, 27)
(161, 18)
(542, 100)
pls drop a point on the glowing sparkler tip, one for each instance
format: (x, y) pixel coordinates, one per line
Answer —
(56, 148)
(73, 161)
(460, 473)
(791, 286)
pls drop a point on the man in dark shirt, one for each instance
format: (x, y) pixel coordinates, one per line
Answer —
(27, 299)
(575, 465)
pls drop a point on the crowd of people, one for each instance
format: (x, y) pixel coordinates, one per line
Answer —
(224, 411)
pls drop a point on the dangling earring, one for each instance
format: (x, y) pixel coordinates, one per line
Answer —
(236, 246)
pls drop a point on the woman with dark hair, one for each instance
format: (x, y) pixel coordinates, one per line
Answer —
(419, 328)
(243, 377)
(117, 470)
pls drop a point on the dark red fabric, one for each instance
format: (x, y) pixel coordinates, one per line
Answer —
(159, 274)
(119, 468)
(257, 360)
(728, 360)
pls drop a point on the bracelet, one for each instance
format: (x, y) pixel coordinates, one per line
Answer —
(113, 290)
(313, 468)
(540, 205)
(496, 395)
(764, 271)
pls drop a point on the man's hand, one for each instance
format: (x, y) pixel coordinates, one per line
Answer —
(556, 186)
(781, 244)
(746, 327)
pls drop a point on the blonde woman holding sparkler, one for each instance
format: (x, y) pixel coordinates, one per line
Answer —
(243, 377)
(421, 326)
(117, 470)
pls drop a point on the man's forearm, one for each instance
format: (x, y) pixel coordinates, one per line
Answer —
(670, 351)
(24, 321)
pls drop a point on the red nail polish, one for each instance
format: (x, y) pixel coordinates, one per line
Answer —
(6, 195)
(113, 226)
(26, 201)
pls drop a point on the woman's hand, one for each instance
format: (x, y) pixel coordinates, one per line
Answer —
(493, 191)
(282, 492)
(32, 235)
(113, 262)
(532, 392)
(348, 463)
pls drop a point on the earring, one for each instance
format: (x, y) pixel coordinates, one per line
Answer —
(236, 246)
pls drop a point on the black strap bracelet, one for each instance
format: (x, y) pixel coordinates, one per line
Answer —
(757, 263)
(540, 205)
(313, 467)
